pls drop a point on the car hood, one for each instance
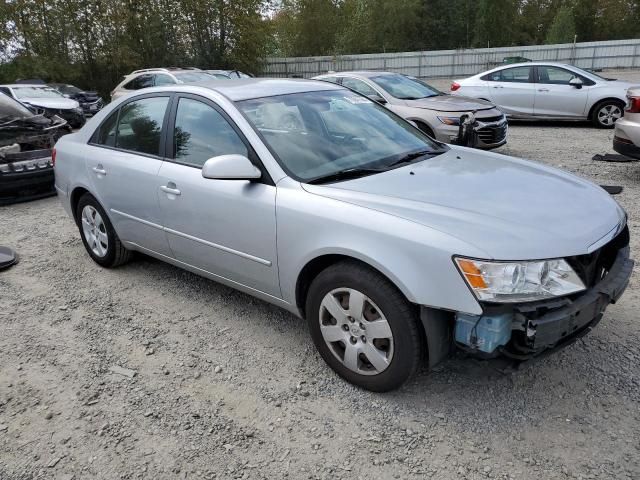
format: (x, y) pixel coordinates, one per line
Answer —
(57, 103)
(450, 103)
(509, 208)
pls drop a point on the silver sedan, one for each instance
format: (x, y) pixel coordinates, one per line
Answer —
(435, 113)
(548, 91)
(394, 247)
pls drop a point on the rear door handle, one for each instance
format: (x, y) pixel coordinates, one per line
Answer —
(498, 86)
(100, 170)
(169, 190)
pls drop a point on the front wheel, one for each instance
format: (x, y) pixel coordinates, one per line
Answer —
(606, 113)
(363, 327)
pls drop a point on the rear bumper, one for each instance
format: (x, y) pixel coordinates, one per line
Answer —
(554, 324)
(624, 148)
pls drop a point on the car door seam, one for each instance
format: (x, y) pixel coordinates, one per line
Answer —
(248, 256)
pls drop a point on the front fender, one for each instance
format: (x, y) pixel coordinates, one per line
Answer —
(415, 258)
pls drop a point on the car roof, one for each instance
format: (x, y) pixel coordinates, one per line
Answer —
(248, 88)
(361, 73)
(21, 85)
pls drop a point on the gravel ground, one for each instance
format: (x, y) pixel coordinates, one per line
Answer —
(227, 386)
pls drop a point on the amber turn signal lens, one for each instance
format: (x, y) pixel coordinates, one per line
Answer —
(472, 273)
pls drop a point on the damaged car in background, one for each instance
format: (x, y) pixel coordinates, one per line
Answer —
(468, 122)
(26, 142)
(42, 97)
(90, 102)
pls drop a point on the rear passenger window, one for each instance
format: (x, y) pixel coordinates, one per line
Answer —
(106, 134)
(201, 133)
(140, 125)
(515, 75)
(141, 81)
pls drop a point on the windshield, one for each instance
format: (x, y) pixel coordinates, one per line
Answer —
(10, 108)
(405, 88)
(187, 77)
(317, 134)
(36, 92)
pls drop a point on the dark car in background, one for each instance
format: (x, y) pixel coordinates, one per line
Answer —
(26, 142)
(43, 98)
(90, 102)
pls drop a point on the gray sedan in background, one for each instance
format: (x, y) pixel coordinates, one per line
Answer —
(435, 113)
(394, 247)
(548, 91)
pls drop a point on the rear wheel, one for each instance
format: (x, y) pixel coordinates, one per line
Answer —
(98, 235)
(606, 113)
(363, 327)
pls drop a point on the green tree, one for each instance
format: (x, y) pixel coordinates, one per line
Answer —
(563, 28)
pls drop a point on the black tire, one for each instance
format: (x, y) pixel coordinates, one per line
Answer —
(595, 118)
(402, 317)
(116, 254)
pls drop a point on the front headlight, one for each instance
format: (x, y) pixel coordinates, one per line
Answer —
(524, 281)
(450, 120)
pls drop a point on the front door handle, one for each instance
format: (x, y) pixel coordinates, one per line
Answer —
(100, 170)
(543, 89)
(169, 190)
(498, 86)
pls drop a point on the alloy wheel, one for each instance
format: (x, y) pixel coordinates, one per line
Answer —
(95, 231)
(356, 331)
(608, 114)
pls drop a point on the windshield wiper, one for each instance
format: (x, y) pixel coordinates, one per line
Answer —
(345, 174)
(410, 157)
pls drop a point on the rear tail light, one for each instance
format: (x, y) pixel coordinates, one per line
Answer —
(634, 105)
(53, 157)
(455, 86)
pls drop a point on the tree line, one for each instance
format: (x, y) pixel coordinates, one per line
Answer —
(333, 27)
(93, 43)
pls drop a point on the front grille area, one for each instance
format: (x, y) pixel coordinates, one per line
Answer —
(492, 135)
(490, 119)
(593, 267)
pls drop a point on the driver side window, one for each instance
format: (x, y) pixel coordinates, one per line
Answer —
(555, 75)
(201, 132)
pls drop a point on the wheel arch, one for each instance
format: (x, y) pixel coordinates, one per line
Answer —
(605, 99)
(315, 265)
(423, 126)
(74, 198)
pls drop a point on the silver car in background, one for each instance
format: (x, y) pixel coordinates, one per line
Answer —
(435, 113)
(548, 91)
(626, 139)
(393, 246)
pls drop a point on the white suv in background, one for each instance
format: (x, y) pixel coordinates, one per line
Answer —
(155, 77)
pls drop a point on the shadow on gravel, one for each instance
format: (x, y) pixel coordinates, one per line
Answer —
(466, 393)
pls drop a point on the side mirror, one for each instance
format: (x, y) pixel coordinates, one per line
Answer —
(230, 167)
(576, 82)
(377, 99)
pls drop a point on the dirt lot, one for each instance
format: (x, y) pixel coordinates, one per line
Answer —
(229, 387)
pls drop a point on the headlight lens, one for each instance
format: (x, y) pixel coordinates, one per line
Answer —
(519, 281)
(450, 120)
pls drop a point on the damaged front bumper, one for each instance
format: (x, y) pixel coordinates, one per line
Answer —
(549, 325)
